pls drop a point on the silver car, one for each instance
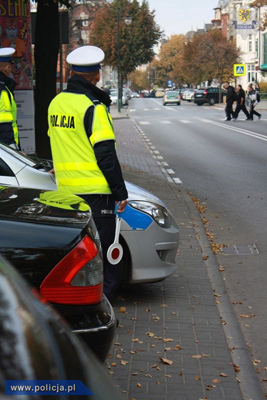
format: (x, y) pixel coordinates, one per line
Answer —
(149, 234)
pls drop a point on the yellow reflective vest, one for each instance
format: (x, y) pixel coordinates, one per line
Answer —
(75, 164)
(8, 111)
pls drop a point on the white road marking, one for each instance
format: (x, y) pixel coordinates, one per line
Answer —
(185, 121)
(169, 179)
(132, 110)
(157, 109)
(165, 164)
(146, 109)
(177, 180)
(159, 157)
(144, 123)
(170, 171)
(165, 122)
(240, 130)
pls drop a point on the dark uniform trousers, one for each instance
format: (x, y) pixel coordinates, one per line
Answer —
(242, 107)
(229, 110)
(103, 207)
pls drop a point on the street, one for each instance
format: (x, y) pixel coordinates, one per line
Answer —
(222, 166)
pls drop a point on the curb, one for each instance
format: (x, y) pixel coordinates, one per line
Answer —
(249, 383)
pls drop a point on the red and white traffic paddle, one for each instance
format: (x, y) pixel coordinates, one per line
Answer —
(115, 250)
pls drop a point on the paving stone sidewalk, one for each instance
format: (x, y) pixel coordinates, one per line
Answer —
(170, 343)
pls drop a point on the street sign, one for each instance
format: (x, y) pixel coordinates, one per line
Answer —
(240, 69)
(169, 83)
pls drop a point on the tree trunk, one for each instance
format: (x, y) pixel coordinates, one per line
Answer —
(46, 57)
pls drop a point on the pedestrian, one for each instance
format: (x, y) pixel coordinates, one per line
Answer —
(83, 149)
(241, 96)
(8, 109)
(230, 99)
(252, 95)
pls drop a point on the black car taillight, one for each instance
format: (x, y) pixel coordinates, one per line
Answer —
(77, 278)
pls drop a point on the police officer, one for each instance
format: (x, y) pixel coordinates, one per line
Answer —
(83, 149)
(8, 108)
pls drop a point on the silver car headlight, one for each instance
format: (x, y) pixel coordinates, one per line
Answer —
(158, 213)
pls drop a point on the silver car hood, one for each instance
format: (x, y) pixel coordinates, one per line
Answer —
(137, 193)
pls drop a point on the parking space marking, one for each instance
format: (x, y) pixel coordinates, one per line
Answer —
(165, 122)
(236, 129)
(144, 123)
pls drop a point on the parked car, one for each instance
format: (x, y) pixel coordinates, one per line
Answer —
(36, 344)
(128, 93)
(52, 241)
(114, 97)
(171, 97)
(208, 96)
(135, 95)
(189, 94)
(159, 92)
(181, 91)
(149, 234)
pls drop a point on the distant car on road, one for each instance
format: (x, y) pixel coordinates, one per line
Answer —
(171, 97)
(208, 96)
(189, 94)
(149, 235)
(159, 92)
(135, 95)
(114, 97)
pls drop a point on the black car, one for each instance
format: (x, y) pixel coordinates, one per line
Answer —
(208, 96)
(36, 345)
(52, 241)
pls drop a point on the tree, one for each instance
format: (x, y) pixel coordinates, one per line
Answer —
(210, 55)
(136, 40)
(169, 64)
(139, 80)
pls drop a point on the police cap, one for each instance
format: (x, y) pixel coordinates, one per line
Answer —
(6, 54)
(86, 58)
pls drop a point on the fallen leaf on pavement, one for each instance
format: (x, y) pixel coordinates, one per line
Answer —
(139, 385)
(197, 356)
(237, 368)
(167, 340)
(177, 347)
(124, 362)
(216, 380)
(209, 387)
(166, 361)
(197, 378)
(247, 315)
(123, 309)
(223, 374)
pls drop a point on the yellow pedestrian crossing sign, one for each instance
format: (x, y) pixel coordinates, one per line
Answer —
(240, 69)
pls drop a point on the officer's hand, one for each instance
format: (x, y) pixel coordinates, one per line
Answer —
(122, 205)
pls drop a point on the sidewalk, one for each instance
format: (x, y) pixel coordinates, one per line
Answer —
(171, 341)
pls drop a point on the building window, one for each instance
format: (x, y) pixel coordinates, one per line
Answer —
(265, 48)
(250, 42)
(251, 73)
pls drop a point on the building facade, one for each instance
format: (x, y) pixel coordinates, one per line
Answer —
(239, 22)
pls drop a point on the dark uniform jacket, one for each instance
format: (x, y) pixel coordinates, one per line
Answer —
(105, 151)
(241, 95)
(6, 129)
(231, 94)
